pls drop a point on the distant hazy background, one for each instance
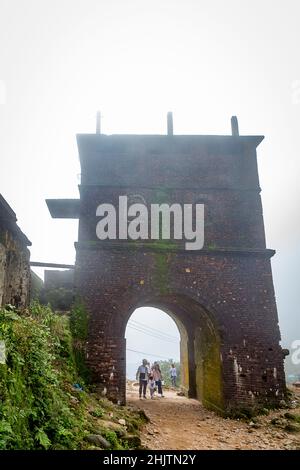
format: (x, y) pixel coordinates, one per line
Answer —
(61, 60)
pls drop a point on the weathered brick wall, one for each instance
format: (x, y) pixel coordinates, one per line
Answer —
(55, 279)
(223, 295)
(235, 289)
(232, 218)
(14, 260)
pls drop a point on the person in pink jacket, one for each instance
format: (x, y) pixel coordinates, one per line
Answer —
(156, 372)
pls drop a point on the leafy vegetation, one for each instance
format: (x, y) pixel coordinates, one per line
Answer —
(79, 331)
(44, 403)
(165, 371)
(59, 298)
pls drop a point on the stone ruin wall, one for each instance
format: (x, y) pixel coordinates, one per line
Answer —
(14, 260)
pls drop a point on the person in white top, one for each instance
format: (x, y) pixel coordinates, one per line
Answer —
(173, 374)
(152, 385)
(142, 375)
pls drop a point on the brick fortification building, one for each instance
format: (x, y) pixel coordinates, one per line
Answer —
(221, 297)
(14, 259)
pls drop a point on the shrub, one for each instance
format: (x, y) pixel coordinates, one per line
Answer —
(35, 409)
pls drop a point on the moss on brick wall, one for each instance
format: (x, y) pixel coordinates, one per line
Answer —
(208, 367)
(160, 276)
(79, 330)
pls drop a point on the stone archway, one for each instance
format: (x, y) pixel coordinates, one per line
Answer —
(228, 361)
(200, 347)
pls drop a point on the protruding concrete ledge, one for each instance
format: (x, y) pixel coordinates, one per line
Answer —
(51, 265)
(166, 187)
(96, 142)
(64, 208)
(171, 247)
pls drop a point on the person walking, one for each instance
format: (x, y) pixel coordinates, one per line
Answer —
(173, 374)
(152, 386)
(142, 376)
(156, 372)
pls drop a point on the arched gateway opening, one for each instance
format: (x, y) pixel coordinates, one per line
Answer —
(200, 357)
(153, 335)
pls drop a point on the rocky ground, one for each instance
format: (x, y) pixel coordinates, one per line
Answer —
(179, 423)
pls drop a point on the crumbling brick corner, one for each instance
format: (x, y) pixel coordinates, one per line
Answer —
(14, 259)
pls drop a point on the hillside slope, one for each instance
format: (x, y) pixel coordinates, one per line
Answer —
(44, 403)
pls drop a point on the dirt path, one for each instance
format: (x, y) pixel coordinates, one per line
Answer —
(179, 423)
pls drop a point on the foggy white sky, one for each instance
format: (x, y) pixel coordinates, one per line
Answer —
(62, 60)
(158, 338)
